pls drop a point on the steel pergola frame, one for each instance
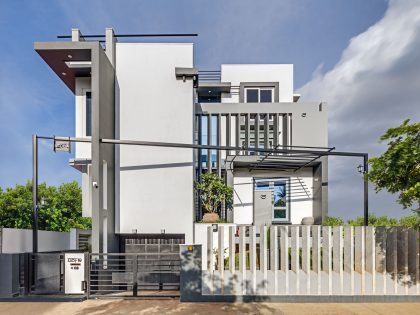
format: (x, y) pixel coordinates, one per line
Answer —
(300, 151)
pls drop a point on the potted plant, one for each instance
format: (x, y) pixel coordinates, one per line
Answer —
(213, 192)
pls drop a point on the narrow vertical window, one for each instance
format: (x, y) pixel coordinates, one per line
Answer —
(88, 114)
(104, 185)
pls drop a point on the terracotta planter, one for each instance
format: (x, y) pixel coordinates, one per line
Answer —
(211, 217)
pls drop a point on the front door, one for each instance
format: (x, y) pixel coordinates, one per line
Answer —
(279, 197)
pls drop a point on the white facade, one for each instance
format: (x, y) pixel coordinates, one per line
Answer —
(299, 194)
(155, 185)
(259, 73)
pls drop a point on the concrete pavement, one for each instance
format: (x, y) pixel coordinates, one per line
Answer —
(161, 307)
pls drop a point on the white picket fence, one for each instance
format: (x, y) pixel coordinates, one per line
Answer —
(311, 260)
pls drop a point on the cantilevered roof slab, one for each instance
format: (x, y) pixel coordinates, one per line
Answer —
(67, 59)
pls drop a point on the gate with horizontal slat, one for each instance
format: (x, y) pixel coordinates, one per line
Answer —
(134, 274)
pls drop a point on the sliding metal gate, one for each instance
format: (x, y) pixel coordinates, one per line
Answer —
(139, 274)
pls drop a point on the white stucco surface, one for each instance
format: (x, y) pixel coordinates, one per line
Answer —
(83, 150)
(155, 184)
(301, 194)
(281, 73)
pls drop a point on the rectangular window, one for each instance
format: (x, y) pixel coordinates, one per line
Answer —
(88, 122)
(259, 95)
(279, 188)
(252, 95)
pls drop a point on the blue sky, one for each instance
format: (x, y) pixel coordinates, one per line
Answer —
(318, 37)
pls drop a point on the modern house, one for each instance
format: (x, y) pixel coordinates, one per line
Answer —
(154, 92)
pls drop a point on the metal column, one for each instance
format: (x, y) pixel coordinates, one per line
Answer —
(365, 190)
(34, 193)
(209, 152)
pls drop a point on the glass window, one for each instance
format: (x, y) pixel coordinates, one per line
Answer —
(280, 203)
(88, 114)
(259, 95)
(266, 96)
(252, 95)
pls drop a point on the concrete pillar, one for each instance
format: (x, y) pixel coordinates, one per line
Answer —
(110, 41)
(76, 35)
(190, 276)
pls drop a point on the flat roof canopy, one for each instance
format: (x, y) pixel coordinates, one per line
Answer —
(67, 59)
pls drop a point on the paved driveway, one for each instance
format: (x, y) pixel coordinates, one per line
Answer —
(161, 307)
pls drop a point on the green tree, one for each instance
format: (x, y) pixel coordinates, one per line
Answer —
(374, 220)
(61, 212)
(333, 221)
(398, 169)
(213, 191)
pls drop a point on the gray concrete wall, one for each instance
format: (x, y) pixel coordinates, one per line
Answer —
(103, 204)
(9, 275)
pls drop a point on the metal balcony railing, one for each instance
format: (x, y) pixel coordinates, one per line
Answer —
(209, 76)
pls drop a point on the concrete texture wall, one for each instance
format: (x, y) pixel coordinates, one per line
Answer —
(155, 185)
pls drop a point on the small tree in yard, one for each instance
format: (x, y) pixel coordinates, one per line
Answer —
(213, 192)
(398, 169)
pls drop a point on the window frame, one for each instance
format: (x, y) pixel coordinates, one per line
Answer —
(271, 181)
(259, 89)
(85, 113)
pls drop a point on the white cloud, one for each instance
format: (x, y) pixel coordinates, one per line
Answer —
(374, 86)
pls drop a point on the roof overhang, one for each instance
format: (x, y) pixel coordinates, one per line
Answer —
(80, 164)
(67, 59)
(213, 88)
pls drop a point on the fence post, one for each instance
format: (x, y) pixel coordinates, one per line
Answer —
(380, 254)
(221, 257)
(232, 249)
(392, 255)
(349, 255)
(253, 257)
(284, 252)
(413, 258)
(326, 255)
(263, 256)
(316, 254)
(370, 255)
(359, 255)
(295, 254)
(210, 257)
(274, 256)
(306, 255)
(242, 257)
(338, 254)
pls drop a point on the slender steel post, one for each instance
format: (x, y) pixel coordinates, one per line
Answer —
(200, 164)
(365, 189)
(34, 193)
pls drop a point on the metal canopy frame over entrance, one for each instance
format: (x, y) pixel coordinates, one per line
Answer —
(268, 157)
